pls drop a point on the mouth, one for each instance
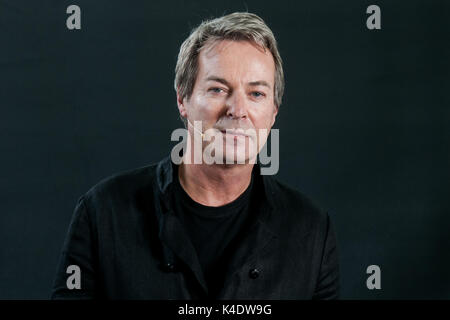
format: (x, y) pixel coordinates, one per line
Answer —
(234, 132)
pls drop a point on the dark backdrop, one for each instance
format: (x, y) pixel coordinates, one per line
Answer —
(364, 127)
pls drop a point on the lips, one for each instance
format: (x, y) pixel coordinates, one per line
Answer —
(234, 132)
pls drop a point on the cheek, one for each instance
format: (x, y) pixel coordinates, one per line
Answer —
(262, 119)
(199, 106)
(208, 110)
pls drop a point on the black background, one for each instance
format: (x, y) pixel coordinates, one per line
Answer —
(364, 125)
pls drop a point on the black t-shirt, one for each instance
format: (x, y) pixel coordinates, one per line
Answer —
(214, 231)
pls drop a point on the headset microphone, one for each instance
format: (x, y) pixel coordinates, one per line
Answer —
(201, 133)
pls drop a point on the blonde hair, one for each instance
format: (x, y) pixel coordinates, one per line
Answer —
(236, 26)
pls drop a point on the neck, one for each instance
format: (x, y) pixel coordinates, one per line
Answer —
(216, 184)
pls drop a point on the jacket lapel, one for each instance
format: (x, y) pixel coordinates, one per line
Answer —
(175, 240)
(173, 234)
(255, 239)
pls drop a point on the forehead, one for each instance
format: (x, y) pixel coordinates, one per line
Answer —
(232, 59)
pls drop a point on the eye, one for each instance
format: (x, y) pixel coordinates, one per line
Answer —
(257, 94)
(216, 90)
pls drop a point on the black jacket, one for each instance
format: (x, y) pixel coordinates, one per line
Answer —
(128, 244)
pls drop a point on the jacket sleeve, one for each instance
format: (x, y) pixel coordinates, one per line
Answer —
(328, 286)
(76, 272)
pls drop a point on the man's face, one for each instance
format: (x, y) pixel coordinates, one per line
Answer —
(234, 89)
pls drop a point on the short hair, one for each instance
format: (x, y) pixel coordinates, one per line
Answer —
(236, 26)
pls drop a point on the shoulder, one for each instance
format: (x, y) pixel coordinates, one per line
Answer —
(120, 187)
(302, 213)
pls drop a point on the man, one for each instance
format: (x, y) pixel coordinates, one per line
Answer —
(202, 229)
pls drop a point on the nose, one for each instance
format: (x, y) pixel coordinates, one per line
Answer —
(237, 106)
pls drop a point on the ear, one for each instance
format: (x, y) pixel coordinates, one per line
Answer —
(275, 112)
(181, 106)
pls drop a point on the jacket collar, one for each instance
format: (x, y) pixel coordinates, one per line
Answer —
(164, 172)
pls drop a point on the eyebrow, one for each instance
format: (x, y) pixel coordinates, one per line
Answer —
(259, 83)
(225, 82)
